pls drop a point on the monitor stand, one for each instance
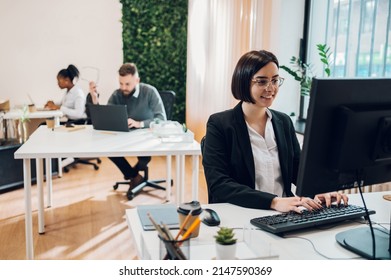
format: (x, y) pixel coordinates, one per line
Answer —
(359, 241)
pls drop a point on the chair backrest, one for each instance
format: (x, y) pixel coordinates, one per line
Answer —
(168, 98)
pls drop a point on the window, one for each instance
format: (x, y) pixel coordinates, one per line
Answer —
(358, 34)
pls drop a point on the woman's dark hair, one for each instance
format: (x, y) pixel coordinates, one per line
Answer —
(247, 66)
(71, 72)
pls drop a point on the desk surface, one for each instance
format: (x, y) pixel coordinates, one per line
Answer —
(17, 113)
(298, 245)
(89, 142)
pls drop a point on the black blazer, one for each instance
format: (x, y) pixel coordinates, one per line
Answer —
(229, 164)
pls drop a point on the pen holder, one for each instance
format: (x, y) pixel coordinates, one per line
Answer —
(174, 249)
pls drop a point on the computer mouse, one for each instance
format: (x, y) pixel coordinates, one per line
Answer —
(210, 217)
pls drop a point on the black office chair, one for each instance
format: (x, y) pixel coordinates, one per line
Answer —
(87, 161)
(168, 98)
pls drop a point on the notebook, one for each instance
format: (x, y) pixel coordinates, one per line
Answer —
(161, 213)
(109, 117)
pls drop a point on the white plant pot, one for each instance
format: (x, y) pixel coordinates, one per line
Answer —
(225, 252)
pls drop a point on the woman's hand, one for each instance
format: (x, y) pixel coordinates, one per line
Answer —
(286, 204)
(51, 106)
(328, 198)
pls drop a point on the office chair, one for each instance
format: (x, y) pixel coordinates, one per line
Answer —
(168, 98)
(87, 161)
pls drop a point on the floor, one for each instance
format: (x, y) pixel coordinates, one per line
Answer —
(87, 219)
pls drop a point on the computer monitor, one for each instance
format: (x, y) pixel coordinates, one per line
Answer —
(347, 143)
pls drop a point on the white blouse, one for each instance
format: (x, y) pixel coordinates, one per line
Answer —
(73, 104)
(268, 176)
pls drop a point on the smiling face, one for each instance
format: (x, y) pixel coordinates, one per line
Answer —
(265, 95)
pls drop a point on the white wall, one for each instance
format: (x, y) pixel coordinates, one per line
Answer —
(41, 37)
(286, 31)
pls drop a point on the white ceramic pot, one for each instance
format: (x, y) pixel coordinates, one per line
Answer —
(225, 252)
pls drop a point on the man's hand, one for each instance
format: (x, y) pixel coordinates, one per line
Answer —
(94, 93)
(133, 123)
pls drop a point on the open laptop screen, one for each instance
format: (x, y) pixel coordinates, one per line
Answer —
(109, 117)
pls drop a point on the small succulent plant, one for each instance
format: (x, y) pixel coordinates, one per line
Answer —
(225, 236)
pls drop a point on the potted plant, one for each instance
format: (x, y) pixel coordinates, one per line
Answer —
(303, 73)
(22, 125)
(225, 244)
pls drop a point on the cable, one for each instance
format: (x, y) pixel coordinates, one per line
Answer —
(313, 246)
(360, 183)
(318, 252)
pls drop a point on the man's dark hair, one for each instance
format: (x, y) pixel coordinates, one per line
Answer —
(128, 69)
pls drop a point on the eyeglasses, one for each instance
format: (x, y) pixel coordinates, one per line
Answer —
(264, 83)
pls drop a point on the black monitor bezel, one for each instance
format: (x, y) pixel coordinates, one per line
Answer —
(318, 170)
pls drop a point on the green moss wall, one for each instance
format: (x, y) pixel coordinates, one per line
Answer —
(154, 37)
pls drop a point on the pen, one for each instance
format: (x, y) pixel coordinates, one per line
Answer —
(108, 132)
(167, 232)
(158, 228)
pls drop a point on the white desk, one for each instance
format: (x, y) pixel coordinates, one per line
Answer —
(147, 242)
(16, 114)
(45, 143)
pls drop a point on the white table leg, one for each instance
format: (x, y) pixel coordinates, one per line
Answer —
(177, 180)
(195, 171)
(182, 177)
(27, 205)
(49, 185)
(41, 217)
(168, 176)
(60, 167)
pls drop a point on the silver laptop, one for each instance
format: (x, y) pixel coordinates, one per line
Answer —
(109, 117)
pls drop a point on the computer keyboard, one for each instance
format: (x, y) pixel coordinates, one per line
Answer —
(285, 222)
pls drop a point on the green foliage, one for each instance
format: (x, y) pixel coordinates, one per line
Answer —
(225, 236)
(25, 114)
(155, 37)
(303, 72)
(324, 53)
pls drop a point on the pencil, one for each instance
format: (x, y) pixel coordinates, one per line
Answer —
(190, 230)
(158, 228)
(184, 224)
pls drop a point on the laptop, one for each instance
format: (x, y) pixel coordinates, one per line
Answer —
(109, 117)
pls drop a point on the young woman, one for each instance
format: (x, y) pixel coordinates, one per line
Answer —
(251, 154)
(73, 104)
